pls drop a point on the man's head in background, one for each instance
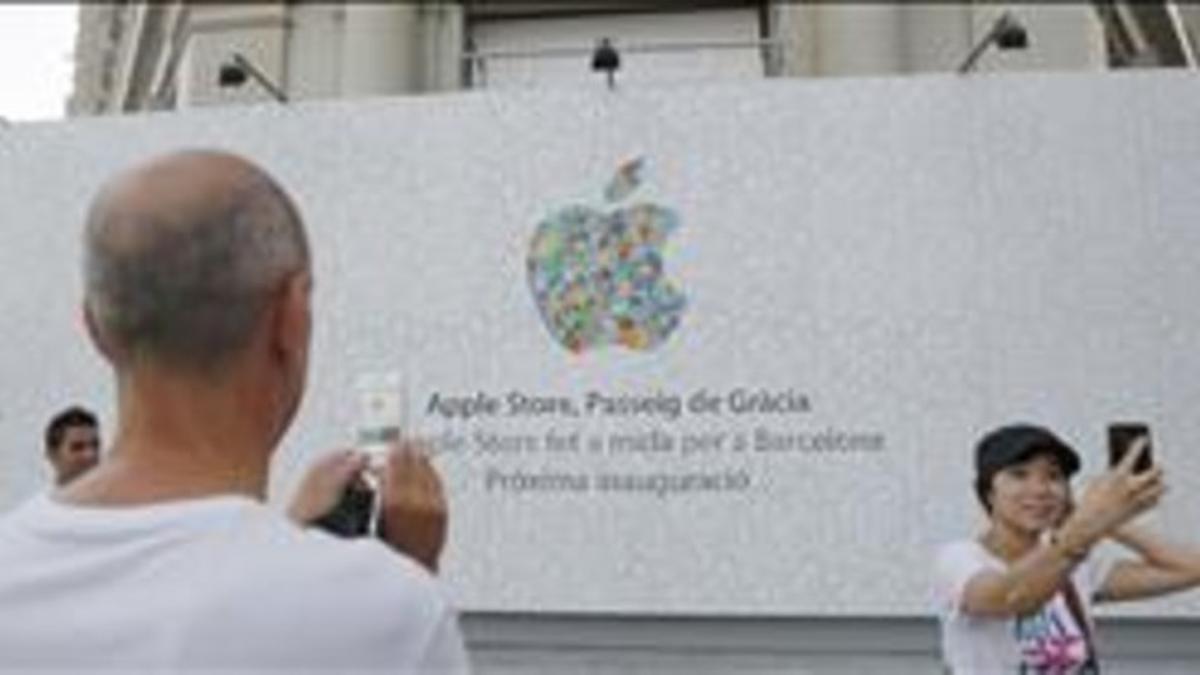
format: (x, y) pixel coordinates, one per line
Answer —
(72, 443)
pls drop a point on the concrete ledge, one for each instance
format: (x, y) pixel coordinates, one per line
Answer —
(1124, 638)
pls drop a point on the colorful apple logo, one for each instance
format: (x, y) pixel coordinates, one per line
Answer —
(597, 274)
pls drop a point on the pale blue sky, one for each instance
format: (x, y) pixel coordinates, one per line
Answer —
(36, 45)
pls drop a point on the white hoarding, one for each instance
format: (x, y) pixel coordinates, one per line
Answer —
(709, 350)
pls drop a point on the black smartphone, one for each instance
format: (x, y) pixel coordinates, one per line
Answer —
(351, 517)
(1121, 436)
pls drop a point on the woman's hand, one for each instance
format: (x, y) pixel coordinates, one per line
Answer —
(1112, 500)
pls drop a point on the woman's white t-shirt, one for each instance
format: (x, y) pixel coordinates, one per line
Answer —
(1048, 641)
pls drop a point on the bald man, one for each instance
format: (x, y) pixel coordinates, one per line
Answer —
(165, 557)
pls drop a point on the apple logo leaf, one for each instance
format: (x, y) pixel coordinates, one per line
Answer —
(597, 274)
(627, 179)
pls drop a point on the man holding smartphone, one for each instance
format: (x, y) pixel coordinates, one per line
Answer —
(165, 557)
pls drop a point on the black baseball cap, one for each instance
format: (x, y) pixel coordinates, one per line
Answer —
(1015, 443)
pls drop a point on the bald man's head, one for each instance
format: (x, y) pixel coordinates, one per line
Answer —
(182, 254)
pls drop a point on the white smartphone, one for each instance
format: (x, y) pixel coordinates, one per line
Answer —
(382, 416)
(381, 413)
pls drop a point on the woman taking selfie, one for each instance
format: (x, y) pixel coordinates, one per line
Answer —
(1018, 598)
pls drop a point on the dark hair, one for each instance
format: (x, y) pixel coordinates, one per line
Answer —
(983, 488)
(75, 416)
(983, 479)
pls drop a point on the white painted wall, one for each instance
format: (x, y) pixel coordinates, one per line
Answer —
(920, 37)
(734, 25)
(314, 50)
(258, 32)
(331, 50)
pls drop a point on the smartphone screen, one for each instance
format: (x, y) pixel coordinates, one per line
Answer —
(1121, 436)
(381, 413)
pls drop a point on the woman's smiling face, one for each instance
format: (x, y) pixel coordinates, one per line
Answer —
(1032, 495)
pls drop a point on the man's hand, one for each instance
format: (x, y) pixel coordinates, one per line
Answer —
(324, 483)
(413, 512)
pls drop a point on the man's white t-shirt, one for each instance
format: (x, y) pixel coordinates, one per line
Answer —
(217, 584)
(1048, 641)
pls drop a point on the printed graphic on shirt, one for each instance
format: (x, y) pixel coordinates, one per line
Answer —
(1051, 641)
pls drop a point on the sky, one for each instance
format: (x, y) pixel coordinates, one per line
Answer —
(36, 67)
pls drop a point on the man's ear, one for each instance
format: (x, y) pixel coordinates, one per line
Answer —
(293, 316)
(99, 340)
